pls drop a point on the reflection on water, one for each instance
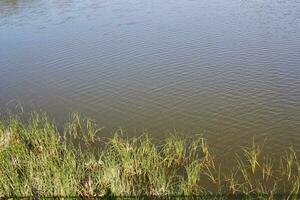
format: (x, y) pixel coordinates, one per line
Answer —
(20, 12)
(13, 8)
(225, 68)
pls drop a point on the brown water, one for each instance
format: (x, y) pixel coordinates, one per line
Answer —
(229, 69)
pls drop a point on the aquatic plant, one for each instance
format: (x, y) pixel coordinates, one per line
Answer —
(38, 160)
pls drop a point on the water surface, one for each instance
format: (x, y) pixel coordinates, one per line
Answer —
(228, 69)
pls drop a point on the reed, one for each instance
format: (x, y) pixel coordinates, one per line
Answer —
(38, 160)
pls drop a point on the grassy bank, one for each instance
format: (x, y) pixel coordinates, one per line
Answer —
(38, 160)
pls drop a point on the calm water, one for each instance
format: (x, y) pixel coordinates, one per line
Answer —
(229, 69)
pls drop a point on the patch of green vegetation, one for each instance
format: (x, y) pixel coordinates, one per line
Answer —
(38, 160)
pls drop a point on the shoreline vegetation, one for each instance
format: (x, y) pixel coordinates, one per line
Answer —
(37, 160)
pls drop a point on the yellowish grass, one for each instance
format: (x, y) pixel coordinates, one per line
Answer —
(37, 160)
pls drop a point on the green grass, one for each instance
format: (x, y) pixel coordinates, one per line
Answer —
(37, 160)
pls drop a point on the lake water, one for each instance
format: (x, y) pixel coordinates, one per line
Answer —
(228, 69)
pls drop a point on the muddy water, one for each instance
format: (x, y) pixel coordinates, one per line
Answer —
(228, 69)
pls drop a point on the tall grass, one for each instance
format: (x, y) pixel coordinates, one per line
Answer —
(38, 160)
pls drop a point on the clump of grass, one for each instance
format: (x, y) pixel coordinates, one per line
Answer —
(38, 160)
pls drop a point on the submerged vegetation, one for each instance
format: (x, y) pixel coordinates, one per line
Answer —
(39, 160)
